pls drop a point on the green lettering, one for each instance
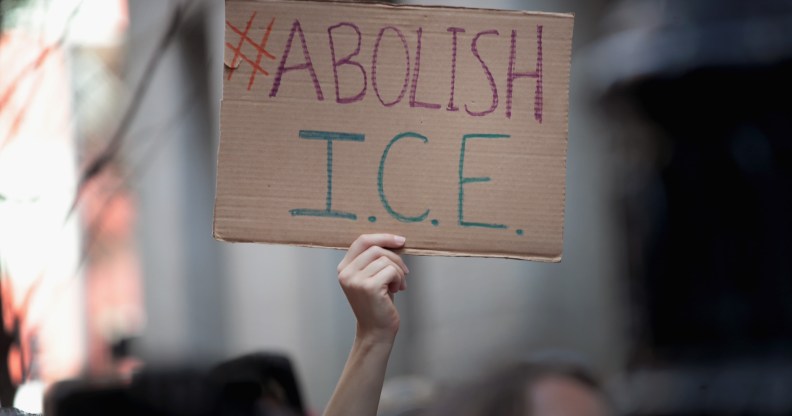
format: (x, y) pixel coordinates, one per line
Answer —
(463, 180)
(385, 203)
(330, 137)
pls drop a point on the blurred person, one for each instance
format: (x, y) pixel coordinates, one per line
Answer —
(544, 388)
(370, 275)
(258, 384)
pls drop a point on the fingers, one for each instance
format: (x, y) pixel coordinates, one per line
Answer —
(365, 241)
(385, 272)
(375, 252)
(369, 258)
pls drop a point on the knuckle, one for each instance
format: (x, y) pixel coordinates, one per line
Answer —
(399, 273)
(374, 251)
(344, 276)
(366, 239)
(388, 261)
(392, 269)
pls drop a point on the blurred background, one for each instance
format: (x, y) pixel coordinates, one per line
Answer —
(676, 282)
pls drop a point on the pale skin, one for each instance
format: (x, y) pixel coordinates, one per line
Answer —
(370, 275)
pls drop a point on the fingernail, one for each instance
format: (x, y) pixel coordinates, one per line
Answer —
(407, 269)
(399, 239)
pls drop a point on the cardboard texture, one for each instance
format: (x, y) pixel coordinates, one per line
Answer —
(445, 125)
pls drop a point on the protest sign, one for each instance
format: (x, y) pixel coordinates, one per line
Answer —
(445, 125)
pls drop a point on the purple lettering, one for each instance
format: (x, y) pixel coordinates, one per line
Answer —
(282, 68)
(414, 90)
(454, 31)
(374, 66)
(347, 60)
(493, 87)
(536, 74)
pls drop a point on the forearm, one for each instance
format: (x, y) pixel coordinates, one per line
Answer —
(370, 274)
(358, 390)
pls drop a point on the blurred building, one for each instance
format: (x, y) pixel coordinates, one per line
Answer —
(69, 282)
(697, 92)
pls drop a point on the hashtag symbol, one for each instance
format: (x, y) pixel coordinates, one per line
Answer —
(260, 48)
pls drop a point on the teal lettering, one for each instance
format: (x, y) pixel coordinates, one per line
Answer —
(330, 137)
(385, 203)
(463, 180)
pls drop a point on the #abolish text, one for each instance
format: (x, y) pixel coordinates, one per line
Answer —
(362, 61)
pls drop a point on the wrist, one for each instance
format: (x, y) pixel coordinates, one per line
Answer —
(375, 338)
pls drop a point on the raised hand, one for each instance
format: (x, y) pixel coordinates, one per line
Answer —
(370, 274)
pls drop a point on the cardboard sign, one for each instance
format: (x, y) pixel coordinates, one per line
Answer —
(445, 125)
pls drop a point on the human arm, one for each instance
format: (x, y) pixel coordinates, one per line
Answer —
(370, 274)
